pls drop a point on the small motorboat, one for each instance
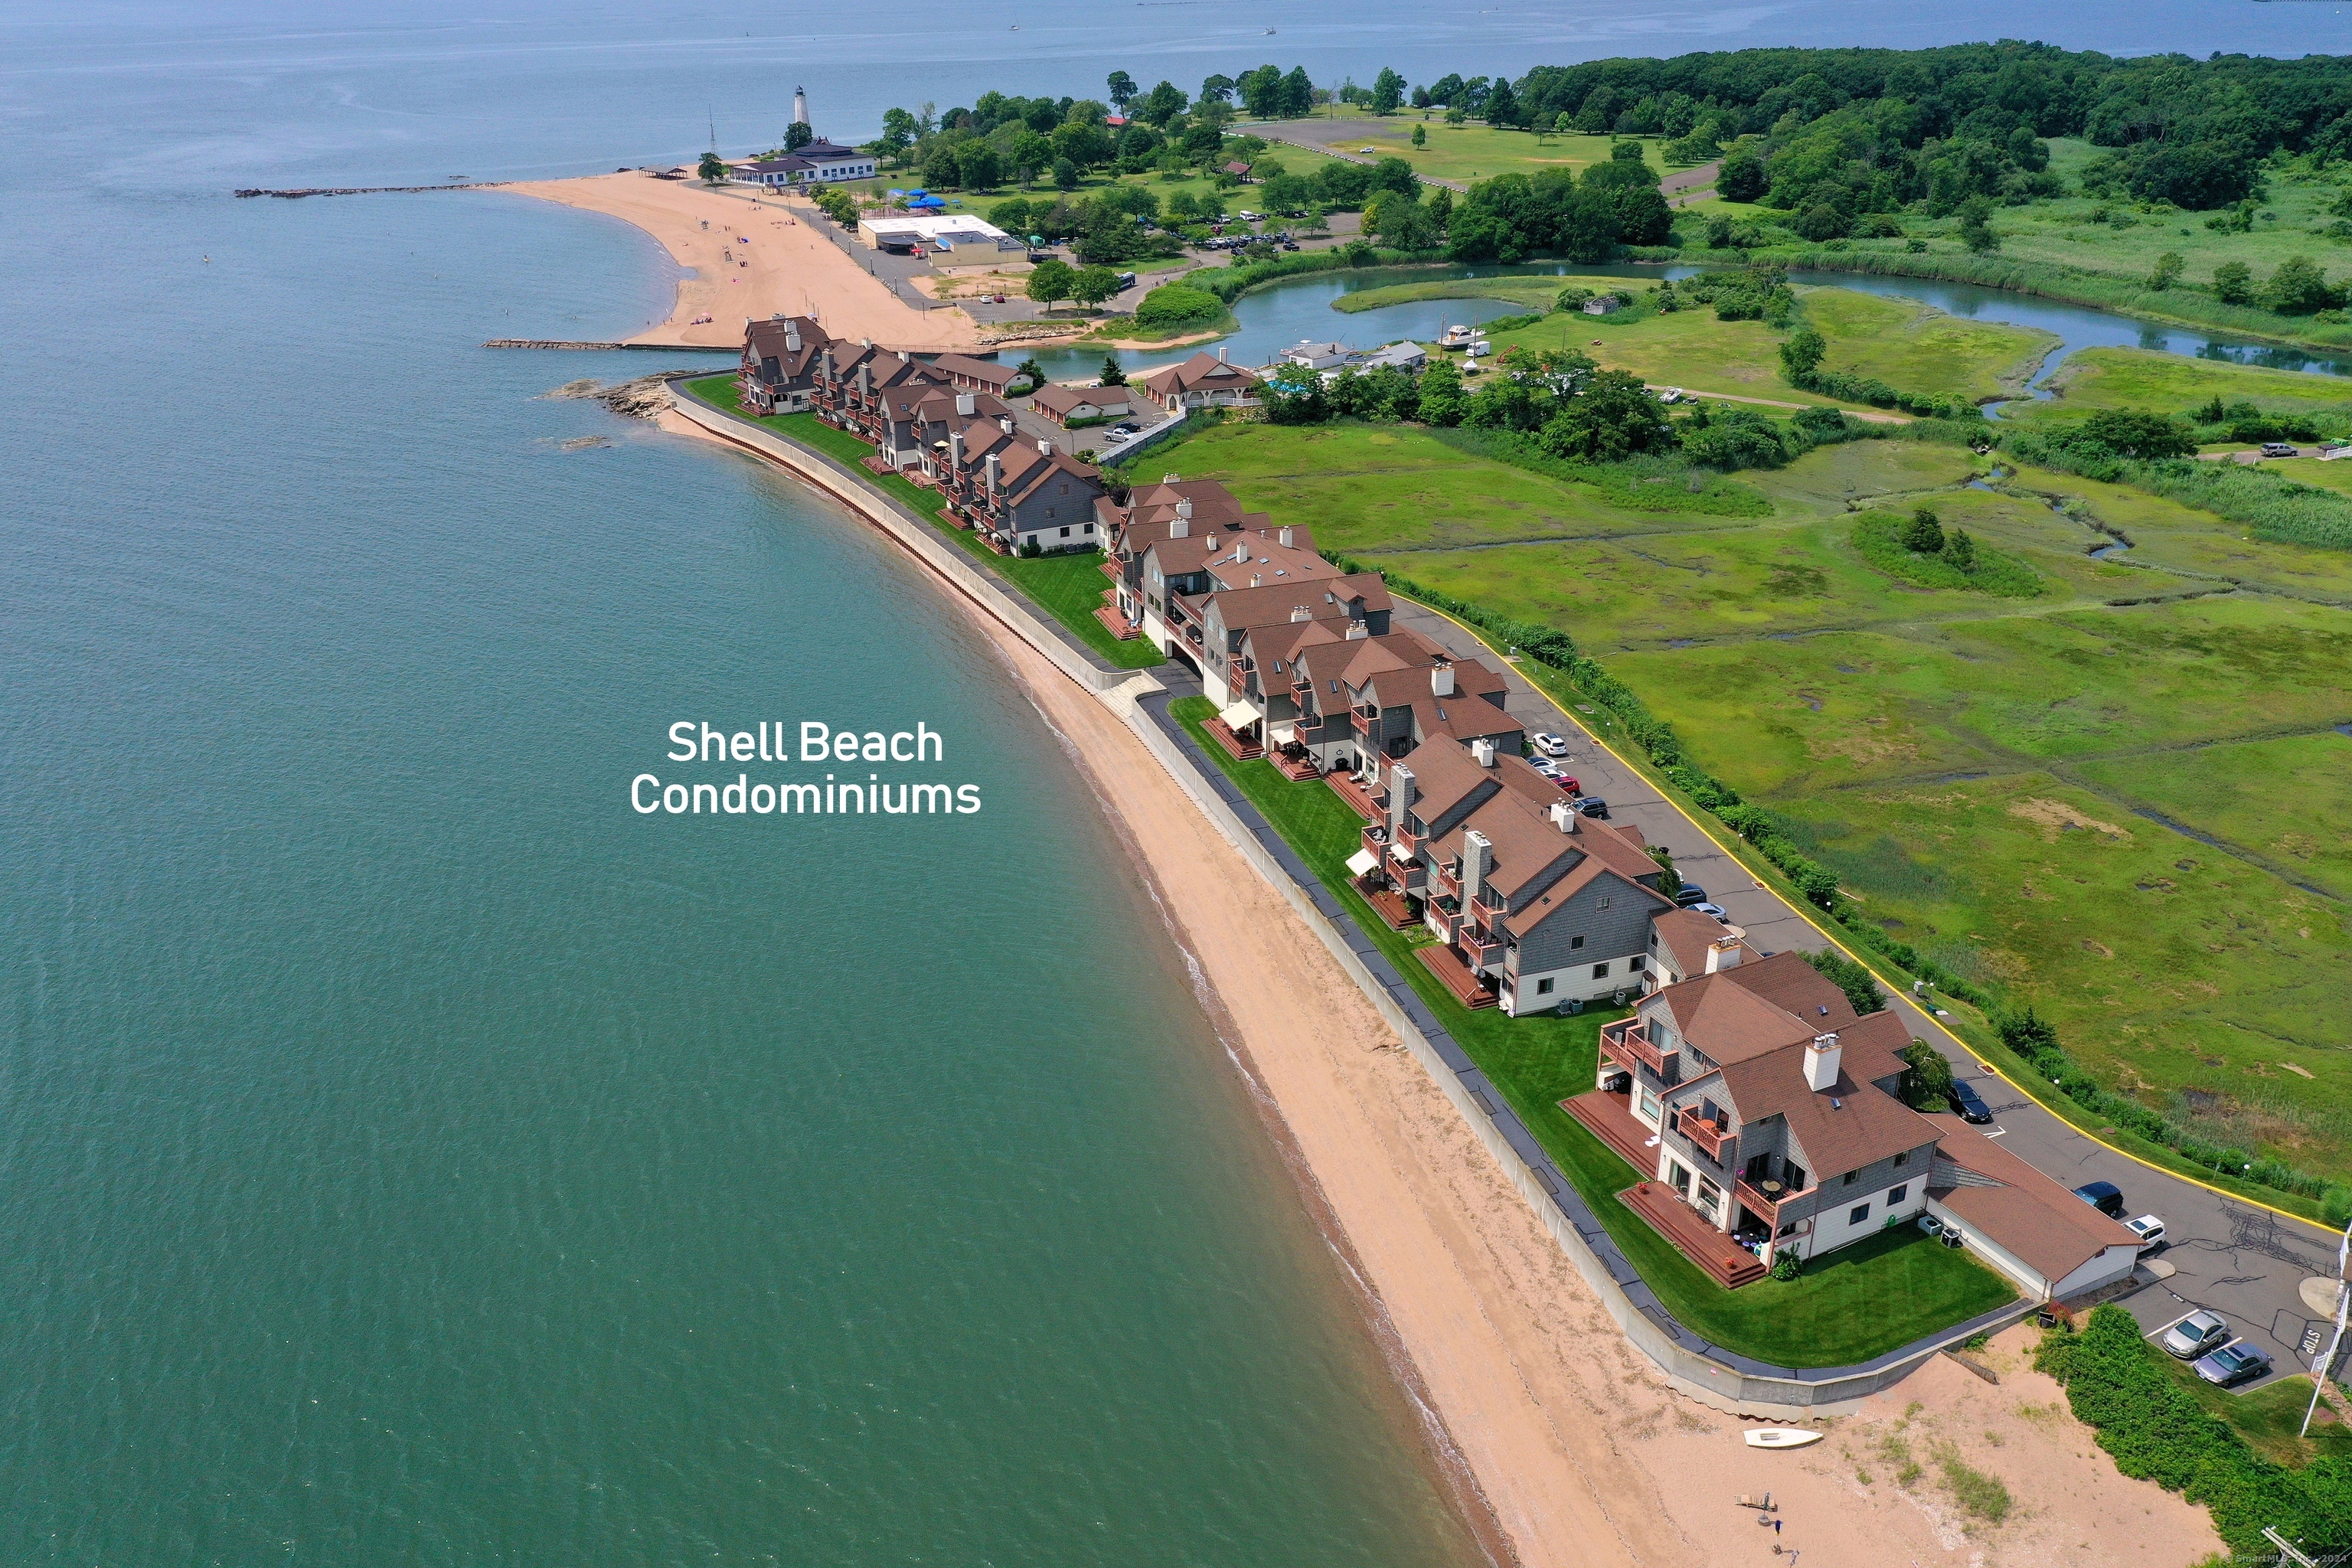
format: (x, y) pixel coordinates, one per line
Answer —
(1779, 1436)
(1460, 335)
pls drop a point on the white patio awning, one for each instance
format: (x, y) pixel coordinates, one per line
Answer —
(1361, 861)
(1239, 714)
(1281, 734)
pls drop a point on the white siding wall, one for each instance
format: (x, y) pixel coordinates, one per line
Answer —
(1832, 1229)
(1575, 982)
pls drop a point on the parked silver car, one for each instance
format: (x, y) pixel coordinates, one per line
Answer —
(2235, 1362)
(2198, 1334)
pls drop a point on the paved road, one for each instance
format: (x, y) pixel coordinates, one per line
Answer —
(2243, 1262)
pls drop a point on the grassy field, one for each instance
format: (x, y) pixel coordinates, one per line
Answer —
(1467, 152)
(1069, 585)
(2268, 1417)
(1908, 345)
(1917, 347)
(1859, 1302)
(2134, 815)
(2092, 379)
(1366, 487)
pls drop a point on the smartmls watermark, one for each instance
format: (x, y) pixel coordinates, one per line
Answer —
(691, 740)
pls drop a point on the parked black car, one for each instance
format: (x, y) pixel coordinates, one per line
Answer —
(1591, 805)
(2105, 1197)
(1692, 893)
(1970, 1106)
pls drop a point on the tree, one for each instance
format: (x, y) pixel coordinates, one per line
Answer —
(1503, 104)
(1670, 882)
(1741, 178)
(1802, 354)
(1260, 91)
(1399, 221)
(798, 134)
(712, 169)
(897, 135)
(1613, 418)
(1033, 370)
(1217, 90)
(2166, 272)
(976, 166)
(2145, 435)
(1388, 92)
(1122, 89)
(1927, 1083)
(1297, 94)
(1112, 375)
(1732, 439)
(1066, 175)
(1050, 282)
(1421, 135)
(1442, 402)
(1960, 550)
(1976, 227)
(1925, 532)
(1852, 978)
(1161, 105)
(1628, 153)
(2298, 289)
(2233, 283)
(1093, 285)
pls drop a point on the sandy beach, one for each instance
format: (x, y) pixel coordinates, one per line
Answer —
(785, 266)
(1569, 1448)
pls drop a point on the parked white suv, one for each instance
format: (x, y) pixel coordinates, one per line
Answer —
(2149, 1229)
(1550, 744)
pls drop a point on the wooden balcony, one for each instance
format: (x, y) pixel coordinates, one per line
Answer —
(1110, 568)
(1724, 1260)
(1610, 1118)
(1242, 750)
(1628, 1041)
(1763, 1206)
(1298, 769)
(1345, 786)
(1118, 625)
(1393, 907)
(1703, 1133)
(1483, 949)
(1455, 976)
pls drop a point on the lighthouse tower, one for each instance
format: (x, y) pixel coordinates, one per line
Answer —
(800, 106)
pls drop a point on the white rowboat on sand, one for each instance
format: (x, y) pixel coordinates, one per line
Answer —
(1780, 1437)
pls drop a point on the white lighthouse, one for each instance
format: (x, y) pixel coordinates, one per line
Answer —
(800, 106)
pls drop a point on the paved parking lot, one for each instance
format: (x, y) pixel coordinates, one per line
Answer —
(2244, 1262)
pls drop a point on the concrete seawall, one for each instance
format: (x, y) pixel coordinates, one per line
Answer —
(1722, 1378)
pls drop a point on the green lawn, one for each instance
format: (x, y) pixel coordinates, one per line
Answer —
(1471, 152)
(1069, 585)
(1977, 771)
(1536, 292)
(1859, 1302)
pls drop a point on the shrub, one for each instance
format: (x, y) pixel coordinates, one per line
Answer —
(1787, 1266)
(2156, 1430)
(1853, 979)
(1924, 533)
(1174, 305)
(1978, 1494)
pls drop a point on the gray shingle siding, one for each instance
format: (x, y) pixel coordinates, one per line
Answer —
(1832, 1193)
(1614, 932)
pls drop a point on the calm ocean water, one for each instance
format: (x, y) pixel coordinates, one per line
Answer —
(409, 1153)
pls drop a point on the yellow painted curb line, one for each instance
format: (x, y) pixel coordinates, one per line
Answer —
(1806, 916)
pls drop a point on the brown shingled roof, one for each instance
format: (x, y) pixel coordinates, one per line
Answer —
(2030, 1216)
(1843, 1128)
